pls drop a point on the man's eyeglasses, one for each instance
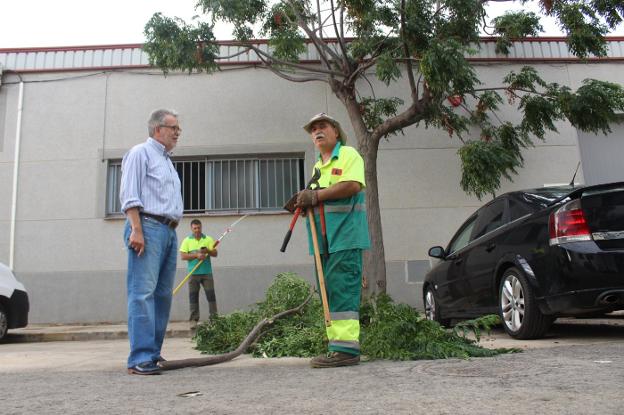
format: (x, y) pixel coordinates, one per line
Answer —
(175, 128)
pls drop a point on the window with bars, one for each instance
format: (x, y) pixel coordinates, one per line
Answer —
(228, 184)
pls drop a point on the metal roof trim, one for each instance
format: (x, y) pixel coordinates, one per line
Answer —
(131, 56)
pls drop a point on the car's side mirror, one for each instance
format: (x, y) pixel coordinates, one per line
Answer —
(437, 252)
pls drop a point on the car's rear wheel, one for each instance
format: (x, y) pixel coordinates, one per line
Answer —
(518, 309)
(4, 322)
(432, 311)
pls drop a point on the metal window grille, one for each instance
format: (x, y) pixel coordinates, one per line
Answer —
(113, 183)
(236, 184)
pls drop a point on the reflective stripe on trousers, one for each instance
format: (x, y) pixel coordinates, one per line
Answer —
(343, 281)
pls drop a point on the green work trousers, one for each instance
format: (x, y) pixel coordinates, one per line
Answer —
(343, 281)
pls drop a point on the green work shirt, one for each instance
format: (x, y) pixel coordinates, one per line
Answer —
(190, 245)
(345, 219)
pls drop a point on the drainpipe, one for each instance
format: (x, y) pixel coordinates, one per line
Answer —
(18, 136)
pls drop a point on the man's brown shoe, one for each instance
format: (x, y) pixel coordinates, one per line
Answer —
(335, 359)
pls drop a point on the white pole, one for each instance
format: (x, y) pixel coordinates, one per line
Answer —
(18, 135)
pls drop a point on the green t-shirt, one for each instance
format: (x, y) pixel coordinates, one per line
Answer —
(191, 245)
(345, 219)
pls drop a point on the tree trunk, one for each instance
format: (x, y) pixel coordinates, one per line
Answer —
(374, 260)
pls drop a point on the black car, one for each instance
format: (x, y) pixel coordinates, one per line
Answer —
(532, 256)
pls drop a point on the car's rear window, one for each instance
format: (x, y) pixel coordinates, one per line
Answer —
(541, 198)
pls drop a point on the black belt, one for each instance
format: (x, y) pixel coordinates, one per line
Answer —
(165, 221)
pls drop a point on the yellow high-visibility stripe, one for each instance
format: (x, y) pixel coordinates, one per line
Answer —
(344, 330)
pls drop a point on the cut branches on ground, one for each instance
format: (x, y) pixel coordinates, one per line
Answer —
(289, 323)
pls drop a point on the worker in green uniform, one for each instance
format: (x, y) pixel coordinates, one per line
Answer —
(199, 247)
(339, 197)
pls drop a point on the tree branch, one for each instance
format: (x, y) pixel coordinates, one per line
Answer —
(343, 48)
(247, 48)
(251, 337)
(320, 45)
(410, 74)
(360, 70)
(408, 117)
(503, 88)
(369, 63)
(274, 60)
(270, 67)
(370, 84)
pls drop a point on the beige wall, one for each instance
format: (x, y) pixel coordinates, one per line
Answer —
(71, 257)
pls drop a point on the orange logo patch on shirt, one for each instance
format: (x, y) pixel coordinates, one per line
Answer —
(336, 172)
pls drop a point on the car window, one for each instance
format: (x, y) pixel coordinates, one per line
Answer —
(490, 217)
(462, 238)
(544, 197)
(518, 210)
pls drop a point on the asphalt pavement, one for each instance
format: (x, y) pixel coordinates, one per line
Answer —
(577, 369)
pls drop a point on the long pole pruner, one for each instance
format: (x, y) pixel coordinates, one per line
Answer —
(319, 267)
(227, 230)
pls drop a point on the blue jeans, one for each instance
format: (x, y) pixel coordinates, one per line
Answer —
(150, 285)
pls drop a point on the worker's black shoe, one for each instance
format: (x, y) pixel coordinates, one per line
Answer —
(335, 359)
(145, 368)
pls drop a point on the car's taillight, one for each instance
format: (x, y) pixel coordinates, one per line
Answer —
(568, 224)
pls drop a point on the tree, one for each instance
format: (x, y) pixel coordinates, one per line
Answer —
(423, 44)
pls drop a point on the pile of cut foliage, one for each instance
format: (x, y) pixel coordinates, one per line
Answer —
(388, 330)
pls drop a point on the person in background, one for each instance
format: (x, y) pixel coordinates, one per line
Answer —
(199, 247)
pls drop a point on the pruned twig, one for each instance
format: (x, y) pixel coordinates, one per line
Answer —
(220, 358)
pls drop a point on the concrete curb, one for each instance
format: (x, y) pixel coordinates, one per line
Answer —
(43, 333)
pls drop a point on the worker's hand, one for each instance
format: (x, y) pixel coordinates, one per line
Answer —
(291, 204)
(136, 241)
(201, 255)
(307, 198)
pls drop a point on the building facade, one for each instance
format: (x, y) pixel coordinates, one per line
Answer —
(67, 116)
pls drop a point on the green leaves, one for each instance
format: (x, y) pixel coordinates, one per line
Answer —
(388, 330)
(398, 332)
(460, 20)
(475, 326)
(287, 45)
(301, 335)
(539, 114)
(515, 25)
(527, 79)
(419, 25)
(497, 153)
(446, 70)
(432, 37)
(610, 10)
(233, 11)
(483, 164)
(171, 44)
(387, 68)
(583, 27)
(593, 106)
(375, 111)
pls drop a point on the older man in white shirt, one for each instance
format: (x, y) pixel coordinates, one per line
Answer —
(151, 199)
